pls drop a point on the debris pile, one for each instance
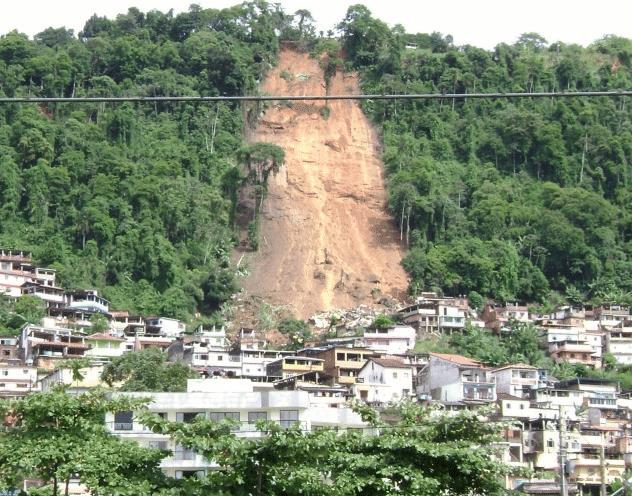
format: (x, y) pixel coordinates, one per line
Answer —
(360, 316)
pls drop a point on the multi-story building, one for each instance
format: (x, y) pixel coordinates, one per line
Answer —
(576, 351)
(341, 363)
(104, 347)
(18, 276)
(382, 380)
(9, 350)
(295, 365)
(619, 341)
(217, 399)
(394, 340)
(497, 317)
(611, 315)
(254, 362)
(124, 324)
(432, 314)
(455, 378)
(165, 326)
(17, 380)
(517, 380)
(44, 347)
(88, 301)
(197, 352)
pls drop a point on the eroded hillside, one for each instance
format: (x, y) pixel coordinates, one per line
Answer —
(327, 240)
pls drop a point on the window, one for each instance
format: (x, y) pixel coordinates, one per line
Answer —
(203, 357)
(123, 421)
(394, 375)
(5, 372)
(254, 416)
(161, 445)
(181, 453)
(189, 474)
(288, 418)
(6, 352)
(187, 417)
(219, 416)
(550, 443)
(340, 356)
(220, 358)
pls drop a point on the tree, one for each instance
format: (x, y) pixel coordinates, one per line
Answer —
(383, 321)
(99, 323)
(424, 453)
(147, 370)
(54, 436)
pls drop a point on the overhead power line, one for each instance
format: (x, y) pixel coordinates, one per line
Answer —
(264, 98)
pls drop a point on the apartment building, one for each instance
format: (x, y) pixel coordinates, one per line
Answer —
(238, 400)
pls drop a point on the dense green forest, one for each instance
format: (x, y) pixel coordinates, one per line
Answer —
(509, 198)
(136, 200)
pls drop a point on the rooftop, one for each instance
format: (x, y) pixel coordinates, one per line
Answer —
(516, 366)
(391, 363)
(458, 359)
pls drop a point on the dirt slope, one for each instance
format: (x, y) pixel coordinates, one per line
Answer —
(327, 240)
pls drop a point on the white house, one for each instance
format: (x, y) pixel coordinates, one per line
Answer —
(455, 378)
(17, 380)
(619, 341)
(516, 380)
(393, 340)
(218, 399)
(88, 300)
(382, 380)
(165, 326)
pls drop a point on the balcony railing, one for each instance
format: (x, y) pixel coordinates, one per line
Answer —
(123, 426)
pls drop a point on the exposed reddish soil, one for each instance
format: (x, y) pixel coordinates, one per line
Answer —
(327, 240)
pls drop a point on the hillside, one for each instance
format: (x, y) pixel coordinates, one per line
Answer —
(327, 240)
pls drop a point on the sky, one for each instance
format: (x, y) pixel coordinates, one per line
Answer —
(483, 23)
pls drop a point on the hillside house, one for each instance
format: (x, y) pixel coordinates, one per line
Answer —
(17, 380)
(455, 378)
(44, 348)
(87, 300)
(516, 380)
(104, 347)
(619, 341)
(295, 365)
(394, 340)
(498, 316)
(197, 352)
(17, 272)
(165, 327)
(432, 314)
(341, 364)
(254, 362)
(382, 380)
(9, 350)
